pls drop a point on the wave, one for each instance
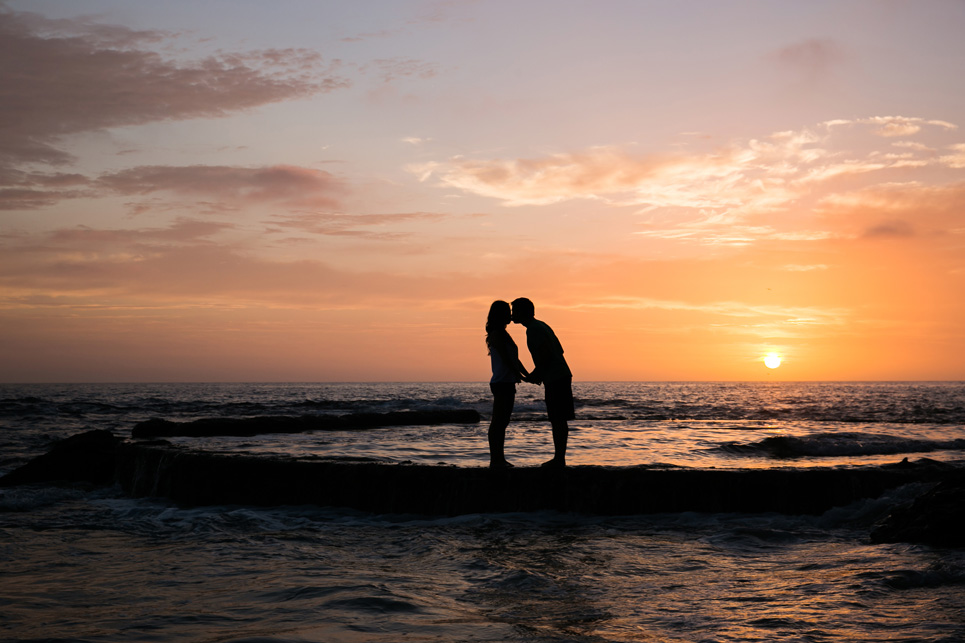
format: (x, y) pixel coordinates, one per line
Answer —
(902, 403)
(838, 445)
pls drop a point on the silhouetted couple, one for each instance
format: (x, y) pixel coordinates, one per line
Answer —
(549, 369)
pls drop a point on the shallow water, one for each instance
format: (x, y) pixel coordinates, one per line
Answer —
(92, 565)
(112, 569)
(618, 423)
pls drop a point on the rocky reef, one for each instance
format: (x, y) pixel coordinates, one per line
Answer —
(937, 517)
(194, 477)
(89, 457)
(246, 427)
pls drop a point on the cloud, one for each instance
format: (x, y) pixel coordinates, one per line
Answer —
(896, 211)
(216, 187)
(912, 145)
(182, 230)
(753, 175)
(899, 200)
(29, 199)
(814, 59)
(186, 266)
(956, 159)
(895, 229)
(356, 225)
(62, 77)
(32, 190)
(284, 184)
(733, 195)
(362, 37)
(391, 69)
(894, 126)
(792, 267)
(726, 309)
(603, 173)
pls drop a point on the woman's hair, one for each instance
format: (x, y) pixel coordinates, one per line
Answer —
(500, 314)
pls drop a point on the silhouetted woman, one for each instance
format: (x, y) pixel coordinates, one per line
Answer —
(507, 372)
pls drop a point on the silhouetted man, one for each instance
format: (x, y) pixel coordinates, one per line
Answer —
(551, 370)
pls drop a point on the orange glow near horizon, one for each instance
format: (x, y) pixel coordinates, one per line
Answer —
(345, 206)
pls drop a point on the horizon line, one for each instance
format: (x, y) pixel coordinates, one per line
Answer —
(482, 382)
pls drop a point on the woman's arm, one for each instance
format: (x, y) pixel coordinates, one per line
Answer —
(522, 371)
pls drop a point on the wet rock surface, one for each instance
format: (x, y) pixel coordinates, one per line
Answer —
(937, 517)
(247, 427)
(193, 477)
(84, 457)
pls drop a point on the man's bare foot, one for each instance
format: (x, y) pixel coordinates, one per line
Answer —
(554, 463)
(500, 464)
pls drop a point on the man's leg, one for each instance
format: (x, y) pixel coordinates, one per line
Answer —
(561, 432)
(559, 407)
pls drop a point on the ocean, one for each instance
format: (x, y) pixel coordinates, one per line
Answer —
(90, 564)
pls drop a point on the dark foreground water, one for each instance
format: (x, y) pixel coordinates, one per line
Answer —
(91, 565)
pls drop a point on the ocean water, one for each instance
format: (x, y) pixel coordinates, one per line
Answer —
(82, 564)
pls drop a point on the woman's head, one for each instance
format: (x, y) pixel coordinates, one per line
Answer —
(499, 313)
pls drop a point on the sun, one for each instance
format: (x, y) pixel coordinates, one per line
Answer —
(772, 360)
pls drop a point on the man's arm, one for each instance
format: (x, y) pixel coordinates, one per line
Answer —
(536, 342)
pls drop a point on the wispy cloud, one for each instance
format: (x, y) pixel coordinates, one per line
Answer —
(187, 264)
(895, 126)
(787, 314)
(956, 157)
(373, 226)
(895, 229)
(217, 187)
(391, 69)
(285, 184)
(885, 210)
(732, 195)
(795, 267)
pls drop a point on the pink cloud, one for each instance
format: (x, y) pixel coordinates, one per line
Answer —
(60, 77)
(183, 230)
(184, 265)
(358, 225)
(31, 190)
(390, 69)
(217, 188)
(589, 174)
(813, 59)
(884, 211)
(894, 229)
(286, 184)
(748, 191)
(27, 199)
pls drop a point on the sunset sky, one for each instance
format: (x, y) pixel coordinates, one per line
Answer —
(312, 190)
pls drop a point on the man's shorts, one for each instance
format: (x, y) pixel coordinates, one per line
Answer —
(559, 400)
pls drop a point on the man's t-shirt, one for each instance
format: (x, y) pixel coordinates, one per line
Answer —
(549, 364)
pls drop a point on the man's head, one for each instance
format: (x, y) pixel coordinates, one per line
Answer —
(523, 311)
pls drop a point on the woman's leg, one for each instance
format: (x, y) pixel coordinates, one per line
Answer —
(504, 398)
